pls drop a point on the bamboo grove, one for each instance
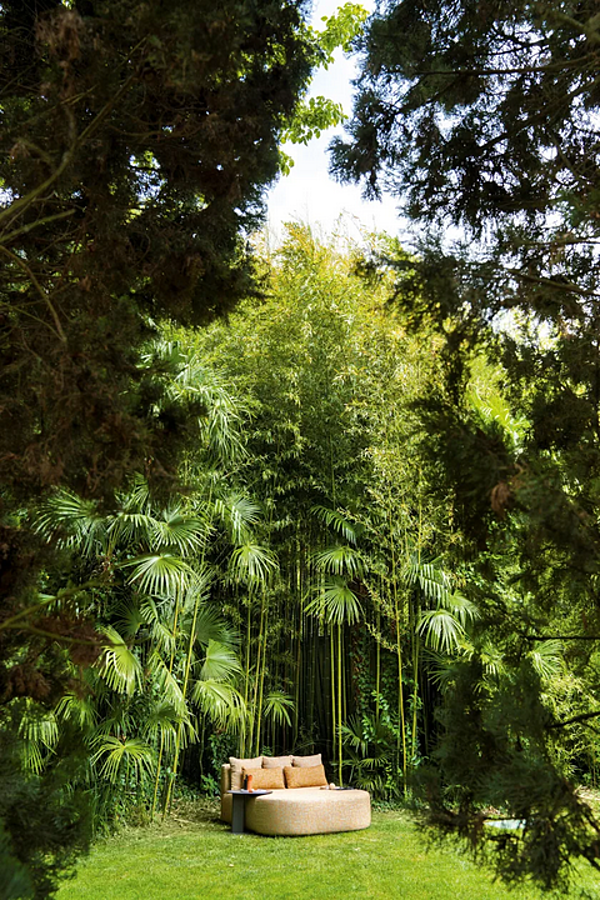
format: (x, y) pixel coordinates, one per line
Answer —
(299, 589)
(288, 596)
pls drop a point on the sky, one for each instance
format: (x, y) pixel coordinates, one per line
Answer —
(309, 194)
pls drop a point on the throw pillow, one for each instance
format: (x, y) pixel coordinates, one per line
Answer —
(305, 776)
(276, 762)
(236, 769)
(307, 760)
(265, 779)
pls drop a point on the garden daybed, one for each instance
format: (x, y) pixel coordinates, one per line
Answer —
(289, 809)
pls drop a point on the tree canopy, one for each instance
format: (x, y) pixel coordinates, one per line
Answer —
(483, 118)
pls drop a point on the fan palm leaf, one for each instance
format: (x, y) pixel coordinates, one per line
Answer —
(175, 531)
(547, 658)
(211, 627)
(160, 574)
(335, 602)
(220, 663)
(39, 730)
(278, 707)
(167, 683)
(118, 665)
(72, 522)
(340, 560)
(132, 526)
(252, 564)
(114, 754)
(220, 702)
(79, 709)
(441, 631)
(237, 514)
(336, 520)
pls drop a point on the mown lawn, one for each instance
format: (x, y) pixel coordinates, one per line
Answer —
(195, 856)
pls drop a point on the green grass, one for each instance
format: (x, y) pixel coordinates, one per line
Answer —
(195, 857)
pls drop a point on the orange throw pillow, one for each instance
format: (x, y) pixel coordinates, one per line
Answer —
(305, 776)
(265, 779)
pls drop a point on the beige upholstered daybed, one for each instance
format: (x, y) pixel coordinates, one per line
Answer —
(300, 803)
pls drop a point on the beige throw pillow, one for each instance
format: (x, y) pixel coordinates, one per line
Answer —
(236, 769)
(304, 776)
(265, 779)
(276, 762)
(307, 760)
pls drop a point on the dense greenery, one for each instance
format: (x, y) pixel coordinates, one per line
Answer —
(361, 515)
(288, 533)
(485, 116)
(137, 142)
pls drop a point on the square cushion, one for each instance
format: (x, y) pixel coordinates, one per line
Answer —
(307, 760)
(266, 779)
(236, 769)
(305, 776)
(276, 762)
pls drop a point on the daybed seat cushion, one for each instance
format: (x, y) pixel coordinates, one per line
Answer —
(308, 811)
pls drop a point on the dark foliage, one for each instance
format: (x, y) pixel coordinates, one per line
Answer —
(136, 140)
(44, 822)
(485, 116)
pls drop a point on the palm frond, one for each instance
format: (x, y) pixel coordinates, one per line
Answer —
(252, 564)
(132, 526)
(81, 710)
(115, 754)
(118, 665)
(278, 707)
(547, 658)
(432, 580)
(340, 560)
(72, 522)
(160, 574)
(167, 683)
(335, 602)
(161, 722)
(130, 619)
(220, 702)
(210, 626)
(238, 514)
(39, 730)
(220, 663)
(441, 631)
(137, 497)
(175, 531)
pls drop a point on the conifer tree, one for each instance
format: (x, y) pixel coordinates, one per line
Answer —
(484, 117)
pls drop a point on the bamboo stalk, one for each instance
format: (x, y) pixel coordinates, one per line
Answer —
(171, 663)
(339, 693)
(401, 714)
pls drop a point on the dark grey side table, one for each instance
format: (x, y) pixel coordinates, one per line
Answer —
(239, 804)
